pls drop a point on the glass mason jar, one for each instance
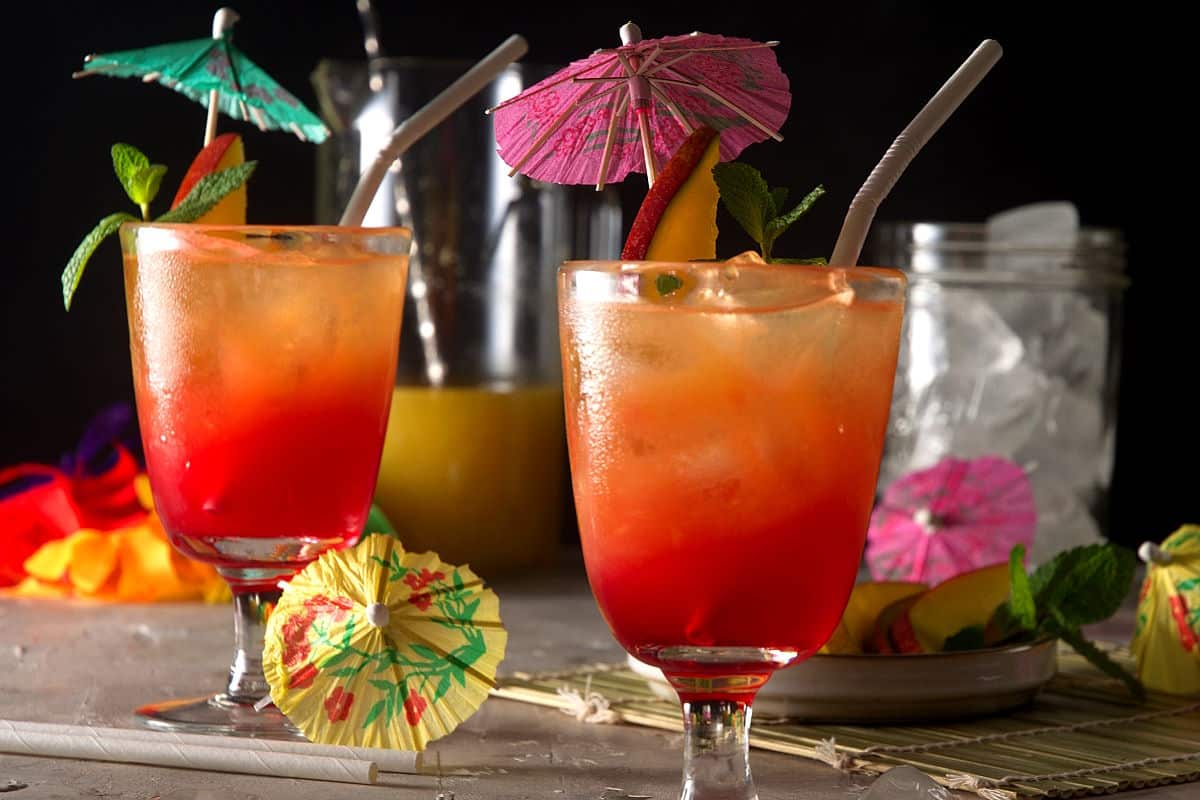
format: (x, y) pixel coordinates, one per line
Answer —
(1010, 349)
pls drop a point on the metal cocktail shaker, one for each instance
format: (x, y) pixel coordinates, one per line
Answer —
(475, 463)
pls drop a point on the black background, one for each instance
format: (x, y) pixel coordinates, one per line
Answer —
(1087, 105)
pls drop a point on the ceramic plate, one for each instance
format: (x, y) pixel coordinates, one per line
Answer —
(898, 688)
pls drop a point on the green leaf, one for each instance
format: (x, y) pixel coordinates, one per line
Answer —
(1099, 658)
(209, 191)
(377, 522)
(779, 196)
(383, 686)
(1020, 598)
(460, 675)
(145, 185)
(1003, 628)
(745, 195)
(345, 672)
(442, 687)
(79, 259)
(458, 581)
(816, 262)
(1084, 584)
(969, 638)
(375, 711)
(128, 161)
(667, 284)
(783, 222)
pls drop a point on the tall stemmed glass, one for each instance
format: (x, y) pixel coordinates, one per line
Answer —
(725, 423)
(263, 366)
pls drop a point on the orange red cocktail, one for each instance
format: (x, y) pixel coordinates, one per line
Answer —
(725, 425)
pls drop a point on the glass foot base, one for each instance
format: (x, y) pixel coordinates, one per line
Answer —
(220, 715)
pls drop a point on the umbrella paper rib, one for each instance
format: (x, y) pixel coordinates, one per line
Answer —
(617, 108)
(676, 112)
(689, 84)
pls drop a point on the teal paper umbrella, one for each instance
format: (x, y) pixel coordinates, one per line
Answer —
(217, 75)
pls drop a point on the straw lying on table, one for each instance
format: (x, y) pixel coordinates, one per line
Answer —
(215, 753)
(1083, 735)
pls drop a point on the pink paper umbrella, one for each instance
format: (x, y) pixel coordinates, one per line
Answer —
(628, 108)
(955, 516)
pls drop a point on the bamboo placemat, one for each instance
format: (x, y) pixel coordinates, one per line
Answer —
(1083, 735)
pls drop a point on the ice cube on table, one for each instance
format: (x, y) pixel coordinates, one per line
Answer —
(905, 783)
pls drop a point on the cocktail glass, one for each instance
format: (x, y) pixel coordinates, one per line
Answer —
(725, 423)
(263, 365)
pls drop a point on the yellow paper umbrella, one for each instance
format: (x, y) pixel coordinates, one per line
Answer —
(1166, 640)
(376, 647)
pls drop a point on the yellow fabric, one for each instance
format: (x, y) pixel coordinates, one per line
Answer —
(135, 564)
(1166, 641)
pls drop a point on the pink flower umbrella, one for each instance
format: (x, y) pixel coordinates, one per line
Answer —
(627, 109)
(952, 517)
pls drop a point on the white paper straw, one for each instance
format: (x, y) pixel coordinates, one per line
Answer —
(169, 754)
(424, 120)
(404, 761)
(905, 148)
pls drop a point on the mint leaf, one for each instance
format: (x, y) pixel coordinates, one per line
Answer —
(127, 162)
(756, 206)
(745, 194)
(816, 262)
(782, 223)
(79, 259)
(1098, 658)
(209, 191)
(779, 196)
(145, 185)
(1003, 628)
(1085, 584)
(969, 638)
(1021, 604)
(667, 284)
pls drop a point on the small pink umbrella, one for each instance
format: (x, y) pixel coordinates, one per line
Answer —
(955, 516)
(628, 108)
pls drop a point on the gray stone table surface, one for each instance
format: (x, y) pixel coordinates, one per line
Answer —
(90, 664)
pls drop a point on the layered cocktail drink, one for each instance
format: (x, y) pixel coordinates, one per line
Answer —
(725, 424)
(264, 360)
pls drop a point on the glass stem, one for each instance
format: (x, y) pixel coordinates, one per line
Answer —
(716, 751)
(247, 684)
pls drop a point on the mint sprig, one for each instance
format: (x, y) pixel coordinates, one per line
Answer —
(74, 271)
(759, 209)
(141, 181)
(209, 191)
(1077, 587)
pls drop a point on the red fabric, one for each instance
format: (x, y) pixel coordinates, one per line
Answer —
(60, 505)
